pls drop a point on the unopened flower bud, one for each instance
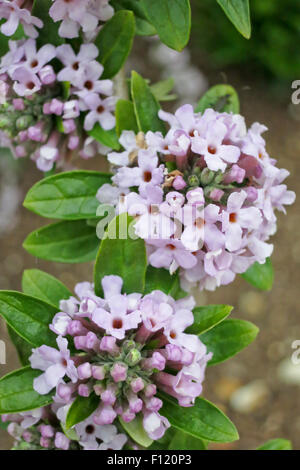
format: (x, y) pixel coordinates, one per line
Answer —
(133, 357)
(207, 176)
(193, 180)
(23, 122)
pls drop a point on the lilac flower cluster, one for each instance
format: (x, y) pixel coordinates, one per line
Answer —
(41, 429)
(86, 15)
(16, 13)
(37, 429)
(203, 195)
(41, 114)
(126, 347)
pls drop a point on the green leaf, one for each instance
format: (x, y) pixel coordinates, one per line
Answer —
(161, 90)
(171, 19)
(238, 12)
(3, 426)
(202, 421)
(123, 257)
(17, 393)
(49, 33)
(69, 241)
(228, 338)
(114, 42)
(24, 349)
(276, 444)
(4, 40)
(29, 317)
(136, 431)
(260, 275)
(222, 98)
(207, 317)
(183, 441)
(146, 106)
(161, 279)
(107, 138)
(142, 26)
(81, 409)
(125, 117)
(69, 195)
(44, 286)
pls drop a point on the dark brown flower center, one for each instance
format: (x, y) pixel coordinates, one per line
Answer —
(30, 85)
(117, 323)
(212, 149)
(147, 176)
(232, 217)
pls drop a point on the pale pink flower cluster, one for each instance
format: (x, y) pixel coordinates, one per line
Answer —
(126, 346)
(15, 13)
(76, 15)
(203, 195)
(42, 111)
(41, 429)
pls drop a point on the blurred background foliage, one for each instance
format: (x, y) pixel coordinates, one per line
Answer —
(272, 51)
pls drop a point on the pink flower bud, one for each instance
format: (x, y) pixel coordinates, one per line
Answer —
(84, 390)
(47, 75)
(46, 430)
(61, 441)
(73, 142)
(98, 372)
(84, 371)
(216, 194)
(75, 328)
(45, 442)
(18, 104)
(179, 183)
(69, 126)
(137, 385)
(119, 372)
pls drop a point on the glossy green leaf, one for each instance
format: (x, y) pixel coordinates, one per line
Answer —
(44, 286)
(238, 12)
(276, 444)
(171, 19)
(260, 275)
(114, 42)
(142, 26)
(81, 409)
(125, 117)
(69, 241)
(17, 393)
(69, 195)
(49, 33)
(24, 349)
(221, 98)
(161, 279)
(121, 255)
(28, 316)
(183, 441)
(228, 338)
(145, 105)
(202, 421)
(207, 317)
(136, 431)
(107, 138)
